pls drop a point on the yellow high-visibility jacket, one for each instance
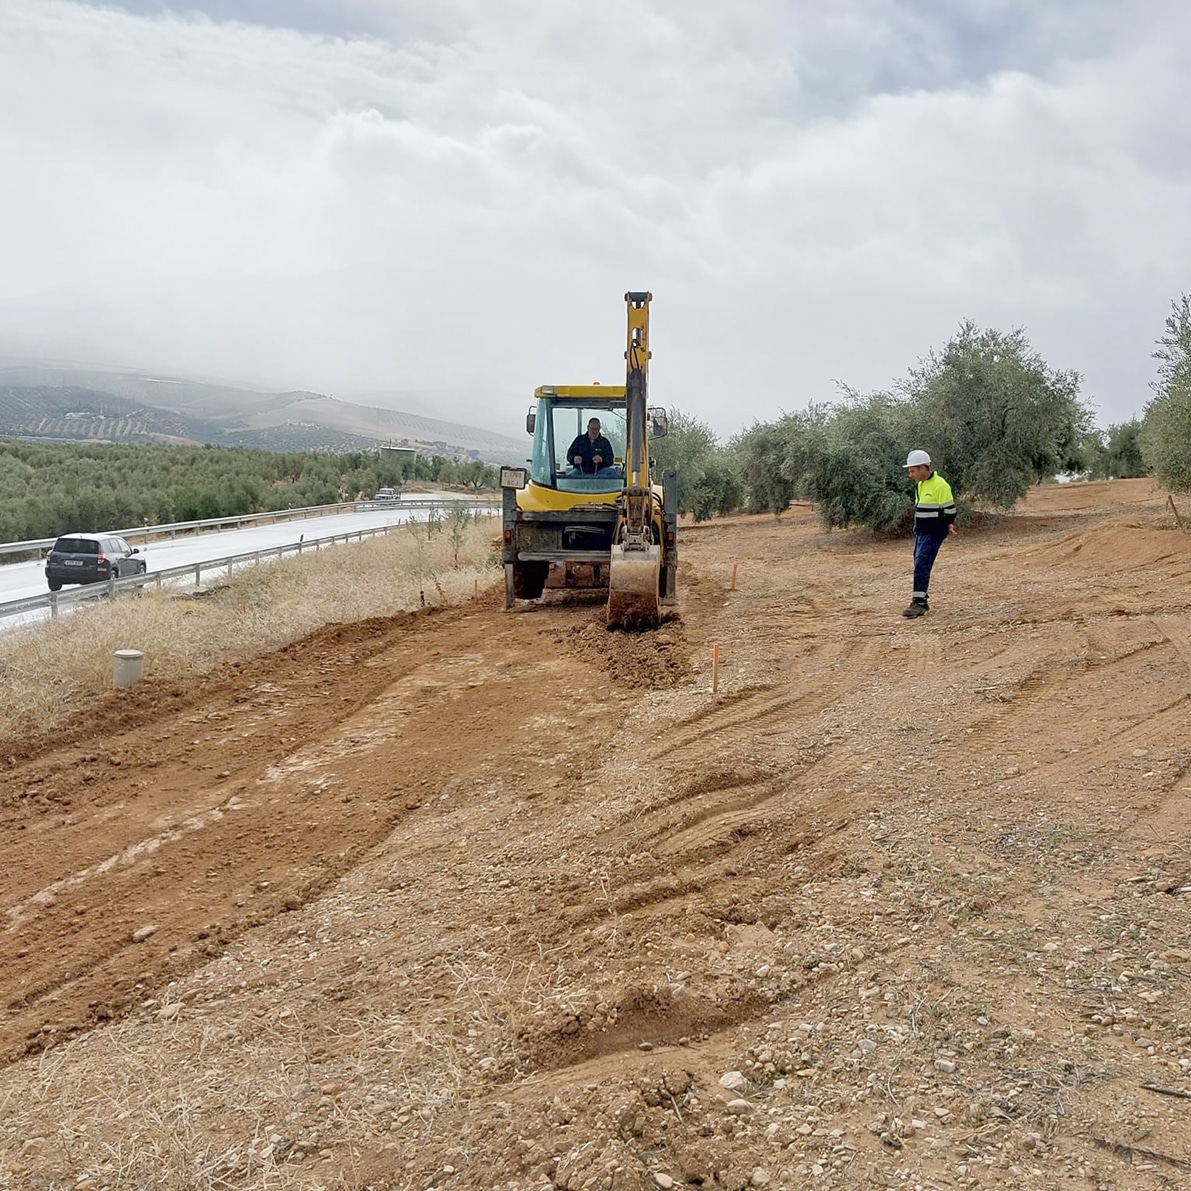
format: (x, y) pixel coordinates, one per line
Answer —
(934, 509)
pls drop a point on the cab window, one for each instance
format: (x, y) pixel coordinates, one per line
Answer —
(554, 436)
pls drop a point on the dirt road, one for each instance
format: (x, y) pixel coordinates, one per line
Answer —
(473, 899)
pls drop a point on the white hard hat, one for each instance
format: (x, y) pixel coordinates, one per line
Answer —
(917, 459)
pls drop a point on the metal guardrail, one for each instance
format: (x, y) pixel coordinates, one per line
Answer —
(57, 600)
(172, 530)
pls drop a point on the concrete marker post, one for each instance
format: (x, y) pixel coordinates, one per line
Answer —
(128, 667)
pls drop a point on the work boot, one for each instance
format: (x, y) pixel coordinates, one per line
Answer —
(918, 607)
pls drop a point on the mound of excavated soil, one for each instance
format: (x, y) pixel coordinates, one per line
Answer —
(468, 899)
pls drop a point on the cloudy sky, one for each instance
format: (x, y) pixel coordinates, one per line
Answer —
(446, 199)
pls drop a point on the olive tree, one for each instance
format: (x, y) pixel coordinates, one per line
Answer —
(708, 483)
(685, 449)
(777, 459)
(719, 489)
(855, 476)
(760, 450)
(1116, 454)
(994, 415)
(1166, 428)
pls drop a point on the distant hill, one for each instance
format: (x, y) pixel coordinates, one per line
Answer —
(82, 403)
(75, 414)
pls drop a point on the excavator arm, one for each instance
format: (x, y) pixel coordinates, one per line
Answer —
(636, 391)
(635, 572)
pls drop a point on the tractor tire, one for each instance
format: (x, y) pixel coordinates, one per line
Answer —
(529, 578)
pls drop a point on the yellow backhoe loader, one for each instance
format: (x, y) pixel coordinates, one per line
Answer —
(576, 519)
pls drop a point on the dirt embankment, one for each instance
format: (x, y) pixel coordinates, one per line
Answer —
(473, 899)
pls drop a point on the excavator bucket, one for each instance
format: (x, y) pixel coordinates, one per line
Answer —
(633, 588)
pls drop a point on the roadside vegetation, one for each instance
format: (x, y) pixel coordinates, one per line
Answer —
(48, 668)
(50, 489)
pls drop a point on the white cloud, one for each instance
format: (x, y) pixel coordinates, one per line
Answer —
(458, 205)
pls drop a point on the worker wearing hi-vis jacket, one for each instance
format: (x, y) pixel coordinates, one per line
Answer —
(934, 519)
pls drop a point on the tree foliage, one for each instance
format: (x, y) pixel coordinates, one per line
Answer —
(777, 459)
(719, 489)
(856, 477)
(47, 489)
(1166, 429)
(993, 414)
(1116, 454)
(708, 480)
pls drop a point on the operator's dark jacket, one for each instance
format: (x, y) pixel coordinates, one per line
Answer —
(586, 447)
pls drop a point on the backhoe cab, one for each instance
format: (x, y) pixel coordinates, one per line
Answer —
(607, 527)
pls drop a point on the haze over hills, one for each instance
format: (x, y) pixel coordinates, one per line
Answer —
(75, 402)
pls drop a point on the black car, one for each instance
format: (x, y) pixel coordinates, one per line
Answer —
(91, 558)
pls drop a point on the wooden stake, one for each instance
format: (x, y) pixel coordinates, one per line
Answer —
(733, 587)
(715, 668)
(1177, 518)
(477, 589)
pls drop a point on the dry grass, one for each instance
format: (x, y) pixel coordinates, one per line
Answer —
(260, 1090)
(48, 668)
(184, 1108)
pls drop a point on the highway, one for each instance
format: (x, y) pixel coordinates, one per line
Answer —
(21, 579)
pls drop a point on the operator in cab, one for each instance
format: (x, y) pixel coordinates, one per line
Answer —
(590, 453)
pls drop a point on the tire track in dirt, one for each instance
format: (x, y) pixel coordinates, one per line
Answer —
(754, 789)
(1174, 629)
(726, 716)
(236, 815)
(1165, 822)
(1029, 696)
(924, 653)
(738, 710)
(716, 828)
(1109, 666)
(153, 844)
(1167, 727)
(74, 883)
(663, 896)
(654, 1016)
(787, 811)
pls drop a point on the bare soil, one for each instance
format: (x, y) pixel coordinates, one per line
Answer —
(476, 899)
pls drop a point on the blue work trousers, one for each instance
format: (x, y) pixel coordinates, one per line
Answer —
(926, 547)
